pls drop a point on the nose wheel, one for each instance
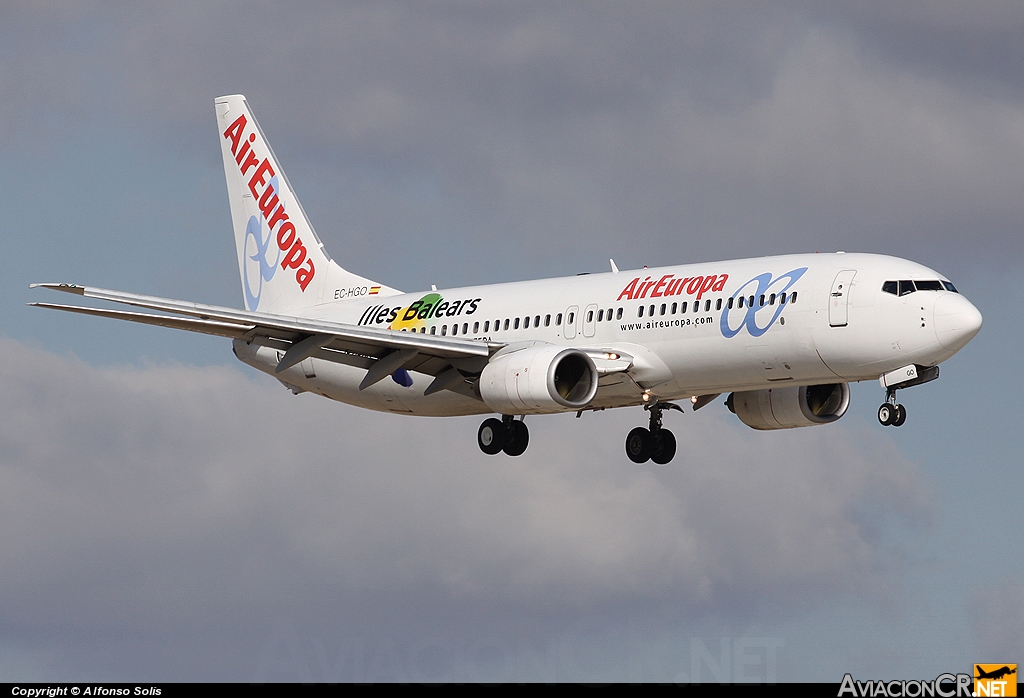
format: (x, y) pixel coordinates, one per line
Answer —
(654, 443)
(891, 413)
(506, 434)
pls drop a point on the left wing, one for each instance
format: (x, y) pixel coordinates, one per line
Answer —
(450, 360)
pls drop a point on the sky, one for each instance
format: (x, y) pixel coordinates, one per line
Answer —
(166, 513)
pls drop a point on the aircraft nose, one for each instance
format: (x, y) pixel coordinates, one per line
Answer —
(956, 321)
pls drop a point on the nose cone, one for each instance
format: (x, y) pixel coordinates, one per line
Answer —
(956, 321)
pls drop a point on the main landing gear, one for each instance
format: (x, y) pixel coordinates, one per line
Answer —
(891, 413)
(506, 434)
(656, 443)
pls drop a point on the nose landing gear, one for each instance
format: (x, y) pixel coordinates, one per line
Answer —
(506, 434)
(655, 443)
(891, 413)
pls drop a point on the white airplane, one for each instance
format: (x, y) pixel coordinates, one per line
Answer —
(783, 335)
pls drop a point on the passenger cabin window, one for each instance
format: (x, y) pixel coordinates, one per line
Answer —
(516, 325)
(526, 322)
(782, 299)
(682, 308)
(609, 314)
(771, 299)
(572, 318)
(465, 328)
(547, 320)
(506, 323)
(536, 320)
(487, 325)
(792, 297)
(729, 304)
(433, 329)
(455, 329)
(906, 287)
(718, 304)
(618, 313)
(674, 307)
(651, 311)
(892, 287)
(590, 316)
(662, 312)
(742, 301)
(558, 319)
(476, 328)
(640, 311)
(600, 315)
(750, 301)
(444, 330)
(760, 301)
(707, 305)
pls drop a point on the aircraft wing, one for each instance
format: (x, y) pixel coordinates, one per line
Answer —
(379, 351)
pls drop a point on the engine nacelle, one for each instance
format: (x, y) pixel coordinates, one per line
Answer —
(786, 408)
(538, 379)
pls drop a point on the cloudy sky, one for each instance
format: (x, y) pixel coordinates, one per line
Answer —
(166, 513)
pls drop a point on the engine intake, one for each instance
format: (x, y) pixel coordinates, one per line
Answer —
(786, 408)
(538, 379)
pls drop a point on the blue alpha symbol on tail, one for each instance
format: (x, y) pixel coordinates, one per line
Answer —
(762, 284)
(267, 269)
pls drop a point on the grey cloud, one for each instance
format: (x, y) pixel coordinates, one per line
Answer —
(184, 504)
(555, 136)
(997, 614)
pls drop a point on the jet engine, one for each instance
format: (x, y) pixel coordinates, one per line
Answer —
(538, 379)
(785, 408)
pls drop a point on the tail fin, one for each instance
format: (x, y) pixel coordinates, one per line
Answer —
(282, 262)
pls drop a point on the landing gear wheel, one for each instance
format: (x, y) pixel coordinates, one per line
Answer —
(638, 445)
(900, 417)
(886, 414)
(519, 439)
(663, 446)
(491, 436)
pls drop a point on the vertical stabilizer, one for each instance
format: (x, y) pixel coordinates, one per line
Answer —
(283, 264)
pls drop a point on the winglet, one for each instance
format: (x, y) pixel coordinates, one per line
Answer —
(615, 269)
(67, 288)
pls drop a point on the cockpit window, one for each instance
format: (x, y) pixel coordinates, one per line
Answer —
(950, 287)
(891, 287)
(906, 287)
(928, 285)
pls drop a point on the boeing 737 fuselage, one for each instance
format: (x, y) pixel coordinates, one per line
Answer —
(784, 336)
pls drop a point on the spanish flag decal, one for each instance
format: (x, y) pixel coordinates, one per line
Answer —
(374, 290)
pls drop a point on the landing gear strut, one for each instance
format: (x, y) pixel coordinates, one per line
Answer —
(655, 443)
(506, 434)
(891, 413)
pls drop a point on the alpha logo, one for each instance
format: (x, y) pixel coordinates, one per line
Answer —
(995, 679)
(670, 285)
(293, 252)
(256, 248)
(414, 316)
(755, 297)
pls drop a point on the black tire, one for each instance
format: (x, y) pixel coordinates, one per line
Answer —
(900, 417)
(663, 447)
(886, 414)
(638, 445)
(491, 436)
(519, 440)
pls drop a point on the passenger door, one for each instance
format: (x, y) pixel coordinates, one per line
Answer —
(590, 320)
(839, 298)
